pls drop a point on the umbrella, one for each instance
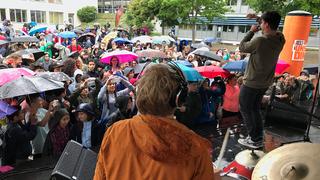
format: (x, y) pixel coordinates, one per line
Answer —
(2, 37)
(37, 53)
(67, 34)
(139, 67)
(6, 109)
(32, 23)
(162, 39)
(84, 36)
(123, 56)
(10, 74)
(311, 68)
(151, 53)
(37, 29)
(207, 54)
(212, 71)
(184, 62)
(199, 45)
(281, 66)
(28, 85)
(55, 76)
(211, 40)
(109, 36)
(78, 31)
(119, 40)
(142, 39)
(190, 74)
(22, 39)
(2, 42)
(236, 66)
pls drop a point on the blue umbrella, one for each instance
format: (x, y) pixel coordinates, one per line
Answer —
(67, 34)
(122, 41)
(236, 66)
(6, 109)
(211, 40)
(190, 73)
(32, 23)
(37, 29)
(184, 62)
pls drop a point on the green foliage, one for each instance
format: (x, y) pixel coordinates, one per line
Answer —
(87, 14)
(285, 6)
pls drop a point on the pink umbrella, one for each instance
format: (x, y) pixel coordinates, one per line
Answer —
(281, 66)
(123, 56)
(10, 74)
(212, 71)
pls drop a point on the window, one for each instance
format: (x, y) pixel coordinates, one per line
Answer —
(71, 18)
(18, 15)
(232, 2)
(2, 14)
(313, 32)
(244, 29)
(228, 28)
(38, 16)
(198, 27)
(56, 17)
(55, 1)
(244, 3)
(210, 27)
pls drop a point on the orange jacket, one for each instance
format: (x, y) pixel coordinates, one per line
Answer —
(149, 147)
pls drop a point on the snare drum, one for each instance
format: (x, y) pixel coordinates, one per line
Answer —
(237, 171)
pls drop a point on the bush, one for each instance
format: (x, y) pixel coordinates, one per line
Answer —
(87, 14)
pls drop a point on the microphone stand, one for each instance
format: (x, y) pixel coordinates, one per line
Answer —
(306, 135)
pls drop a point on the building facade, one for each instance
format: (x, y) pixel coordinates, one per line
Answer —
(46, 12)
(110, 6)
(234, 26)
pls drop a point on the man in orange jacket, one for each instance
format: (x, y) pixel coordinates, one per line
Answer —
(153, 145)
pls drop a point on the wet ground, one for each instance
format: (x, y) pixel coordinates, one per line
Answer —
(40, 169)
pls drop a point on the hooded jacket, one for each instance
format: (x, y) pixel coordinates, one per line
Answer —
(150, 147)
(264, 53)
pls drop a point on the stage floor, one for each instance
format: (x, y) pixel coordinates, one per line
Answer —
(40, 169)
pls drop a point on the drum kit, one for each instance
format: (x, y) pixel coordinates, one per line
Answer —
(289, 162)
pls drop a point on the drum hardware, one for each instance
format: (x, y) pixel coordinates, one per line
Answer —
(291, 161)
(231, 170)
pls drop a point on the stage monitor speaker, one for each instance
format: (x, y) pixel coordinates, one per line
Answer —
(76, 163)
(285, 114)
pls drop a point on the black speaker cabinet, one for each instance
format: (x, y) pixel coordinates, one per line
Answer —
(76, 163)
(285, 114)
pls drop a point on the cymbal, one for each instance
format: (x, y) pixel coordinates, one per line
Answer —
(290, 162)
(249, 158)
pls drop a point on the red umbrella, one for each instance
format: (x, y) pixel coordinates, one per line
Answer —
(212, 71)
(281, 66)
(2, 37)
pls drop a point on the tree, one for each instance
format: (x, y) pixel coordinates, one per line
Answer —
(87, 14)
(191, 10)
(174, 12)
(285, 6)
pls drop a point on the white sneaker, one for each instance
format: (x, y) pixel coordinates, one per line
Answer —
(249, 143)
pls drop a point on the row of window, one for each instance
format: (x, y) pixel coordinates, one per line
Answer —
(209, 27)
(20, 15)
(50, 1)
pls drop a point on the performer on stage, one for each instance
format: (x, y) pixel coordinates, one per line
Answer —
(264, 52)
(153, 145)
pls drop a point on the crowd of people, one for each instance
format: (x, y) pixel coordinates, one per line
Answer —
(99, 95)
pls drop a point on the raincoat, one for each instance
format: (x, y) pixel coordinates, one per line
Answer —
(150, 147)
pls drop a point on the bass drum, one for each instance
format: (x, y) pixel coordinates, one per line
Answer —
(237, 171)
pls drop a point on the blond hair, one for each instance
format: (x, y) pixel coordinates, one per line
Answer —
(156, 89)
